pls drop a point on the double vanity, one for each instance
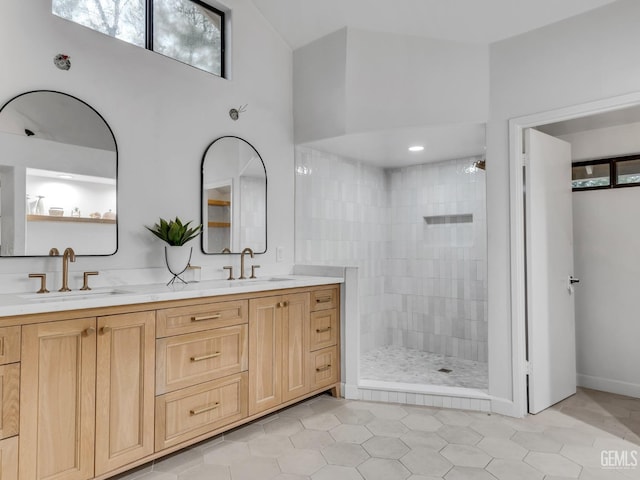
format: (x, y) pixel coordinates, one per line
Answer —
(95, 383)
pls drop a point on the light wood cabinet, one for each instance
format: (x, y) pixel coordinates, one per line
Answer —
(295, 344)
(185, 360)
(92, 393)
(124, 389)
(57, 400)
(187, 413)
(9, 345)
(198, 318)
(265, 361)
(9, 458)
(87, 396)
(324, 354)
(324, 367)
(278, 342)
(9, 400)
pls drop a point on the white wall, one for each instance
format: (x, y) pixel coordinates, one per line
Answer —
(399, 81)
(614, 141)
(582, 59)
(319, 90)
(605, 233)
(163, 115)
(355, 81)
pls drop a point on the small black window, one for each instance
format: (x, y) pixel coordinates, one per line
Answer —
(189, 31)
(628, 171)
(591, 175)
(606, 173)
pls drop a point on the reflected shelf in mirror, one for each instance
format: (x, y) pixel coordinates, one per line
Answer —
(56, 149)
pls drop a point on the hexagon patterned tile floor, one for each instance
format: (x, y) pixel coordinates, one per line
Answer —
(335, 439)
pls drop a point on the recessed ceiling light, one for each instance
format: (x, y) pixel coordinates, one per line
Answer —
(416, 148)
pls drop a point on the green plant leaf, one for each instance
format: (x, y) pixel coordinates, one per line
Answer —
(174, 232)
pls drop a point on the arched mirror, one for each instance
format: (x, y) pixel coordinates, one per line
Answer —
(58, 177)
(234, 198)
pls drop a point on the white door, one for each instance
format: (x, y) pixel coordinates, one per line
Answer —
(549, 251)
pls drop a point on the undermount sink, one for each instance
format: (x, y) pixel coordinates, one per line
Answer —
(73, 295)
(250, 281)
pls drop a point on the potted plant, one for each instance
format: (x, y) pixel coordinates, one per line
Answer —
(176, 234)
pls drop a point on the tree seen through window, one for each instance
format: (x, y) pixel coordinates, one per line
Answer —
(186, 30)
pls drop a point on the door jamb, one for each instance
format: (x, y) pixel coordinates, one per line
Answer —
(518, 285)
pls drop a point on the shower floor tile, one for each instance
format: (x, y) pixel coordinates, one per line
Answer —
(406, 365)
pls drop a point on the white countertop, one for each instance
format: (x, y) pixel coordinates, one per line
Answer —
(30, 303)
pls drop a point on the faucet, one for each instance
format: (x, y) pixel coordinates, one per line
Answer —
(68, 255)
(250, 252)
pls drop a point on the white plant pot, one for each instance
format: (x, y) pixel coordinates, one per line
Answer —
(177, 258)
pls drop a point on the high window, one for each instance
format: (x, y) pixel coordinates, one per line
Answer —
(606, 173)
(189, 31)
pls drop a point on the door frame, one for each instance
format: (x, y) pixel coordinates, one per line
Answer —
(517, 223)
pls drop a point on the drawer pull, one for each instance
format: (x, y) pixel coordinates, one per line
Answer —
(215, 316)
(198, 411)
(88, 331)
(104, 330)
(322, 369)
(282, 304)
(322, 330)
(323, 300)
(205, 357)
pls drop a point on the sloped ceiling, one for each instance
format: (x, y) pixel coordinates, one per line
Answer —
(476, 21)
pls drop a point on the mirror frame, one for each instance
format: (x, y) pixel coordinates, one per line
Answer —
(266, 210)
(115, 143)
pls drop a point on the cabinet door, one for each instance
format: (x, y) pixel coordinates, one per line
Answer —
(9, 400)
(265, 359)
(124, 389)
(295, 334)
(9, 458)
(57, 400)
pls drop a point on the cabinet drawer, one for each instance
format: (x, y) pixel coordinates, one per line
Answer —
(9, 458)
(324, 329)
(197, 410)
(196, 318)
(325, 367)
(10, 398)
(324, 299)
(9, 345)
(186, 360)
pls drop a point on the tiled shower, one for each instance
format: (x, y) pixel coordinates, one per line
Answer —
(418, 237)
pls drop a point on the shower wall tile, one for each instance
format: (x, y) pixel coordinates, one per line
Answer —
(422, 286)
(439, 270)
(341, 219)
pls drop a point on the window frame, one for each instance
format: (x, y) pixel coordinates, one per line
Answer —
(149, 30)
(613, 172)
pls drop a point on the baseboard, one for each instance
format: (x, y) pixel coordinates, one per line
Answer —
(608, 385)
